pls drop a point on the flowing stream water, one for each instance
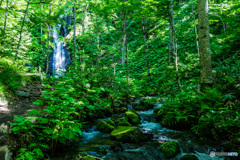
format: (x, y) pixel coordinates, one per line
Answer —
(100, 144)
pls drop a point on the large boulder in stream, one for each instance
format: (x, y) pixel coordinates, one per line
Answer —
(189, 157)
(132, 117)
(128, 134)
(170, 149)
(105, 126)
(91, 158)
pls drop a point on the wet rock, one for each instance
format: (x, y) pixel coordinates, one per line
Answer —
(127, 134)
(22, 94)
(170, 149)
(123, 109)
(124, 122)
(189, 157)
(132, 117)
(91, 158)
(103, 126)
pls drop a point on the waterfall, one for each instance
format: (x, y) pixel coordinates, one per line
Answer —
(60, 57)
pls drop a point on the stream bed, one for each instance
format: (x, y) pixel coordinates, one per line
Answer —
(100, 144)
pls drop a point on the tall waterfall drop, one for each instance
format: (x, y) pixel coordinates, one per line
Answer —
(60, 57)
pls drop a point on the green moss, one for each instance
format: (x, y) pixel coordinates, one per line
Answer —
(127, 134)
(123, 109)
(132, 117)
(109, 121)
(189, 157)
(103, 126)
(89, 158)
(170, 149)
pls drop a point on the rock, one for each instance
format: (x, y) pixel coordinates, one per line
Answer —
(36, 94)
(127, 134)
(170, 149)
(22, 93)
(146, 104)
(109, 121)
(91, 158)
(103, 126)
(189, 157)
(124, 122)
(132, 117)
(115, 118)
(123, 109)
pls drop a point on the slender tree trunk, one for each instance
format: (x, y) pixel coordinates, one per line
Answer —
(127, 75)
(41, 25)
(5, 24)
(47, 61)
(145, 49)
(195, 29)
(83, 33)
(19, 42)
(124, 38)
(1, 3)
(206, 78)
(171, 50)
(74, 45)
(172, 29)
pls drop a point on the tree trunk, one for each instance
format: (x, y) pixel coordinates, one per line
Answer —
(1, 3)
(19, 42)
(174, 41)
(206, 78)
(5, 24)
(74, 45)
(47, 61)
(195, 29)
(83, 32)
(171, 50)
(127, 75)
(145, 49)
(124, 49)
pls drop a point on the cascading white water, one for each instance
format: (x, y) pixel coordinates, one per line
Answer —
(60, 57)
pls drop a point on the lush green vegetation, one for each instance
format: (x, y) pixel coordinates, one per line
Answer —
(98, 83)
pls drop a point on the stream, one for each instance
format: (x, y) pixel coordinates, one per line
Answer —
(100, 144)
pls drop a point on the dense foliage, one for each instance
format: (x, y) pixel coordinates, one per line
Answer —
(98, 83)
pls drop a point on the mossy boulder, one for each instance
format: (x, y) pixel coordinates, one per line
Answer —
(189, 157)
(132, 117)
(116, 118)
(170, 149)
(123, 122)
(109, 121)
(123, 109)
(89, 158)
(127, 134)
(103, 126)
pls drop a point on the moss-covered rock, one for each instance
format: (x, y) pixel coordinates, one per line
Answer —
(132, 117)
(124, 122)
(89, 158)
(123, 109)
(170, 149)
(115, 118)
(127, 134)
(103, 126)
(109, 121)
(189, 157)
